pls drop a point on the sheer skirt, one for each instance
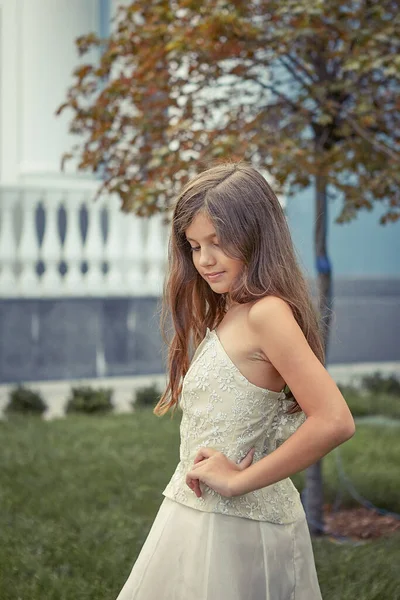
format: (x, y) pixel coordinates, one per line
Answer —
(195, 555)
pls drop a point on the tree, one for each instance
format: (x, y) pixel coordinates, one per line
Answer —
(308, 91)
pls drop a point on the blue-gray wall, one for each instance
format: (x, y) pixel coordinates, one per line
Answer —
(361, 248)
(86, 337)
(365, 258)
(78, 338)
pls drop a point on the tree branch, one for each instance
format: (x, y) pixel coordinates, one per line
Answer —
(364, 134)
(297, 63)
(294, 74)
(298, 108)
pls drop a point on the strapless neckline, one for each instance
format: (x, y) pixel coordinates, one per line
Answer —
(272, 393)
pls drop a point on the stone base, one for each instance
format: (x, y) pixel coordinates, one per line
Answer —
(74, 338)
(67, 339)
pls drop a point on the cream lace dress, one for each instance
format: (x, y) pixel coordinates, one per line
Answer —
(251, 547)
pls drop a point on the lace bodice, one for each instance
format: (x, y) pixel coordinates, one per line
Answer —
(225, 411)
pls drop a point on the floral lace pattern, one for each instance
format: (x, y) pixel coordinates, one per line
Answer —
(225, 411)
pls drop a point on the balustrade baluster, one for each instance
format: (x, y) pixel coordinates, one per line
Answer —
(51, 251)
(8, 246)
(133, 272)
(71, 251)
(114, 249)
(93, 248)
(156, 254)
(28, 252)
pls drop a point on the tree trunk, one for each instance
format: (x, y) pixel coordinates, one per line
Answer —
(314, 493)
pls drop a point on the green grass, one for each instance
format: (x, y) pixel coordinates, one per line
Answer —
(371, 460)
(368, 572)
(78, 496)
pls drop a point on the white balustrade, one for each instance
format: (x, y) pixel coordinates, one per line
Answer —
(134, 251)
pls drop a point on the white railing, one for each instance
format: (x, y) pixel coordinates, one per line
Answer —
(56, 243)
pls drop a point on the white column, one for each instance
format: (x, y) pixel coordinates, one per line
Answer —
(10, 83)
(47, 55)
(8, 246)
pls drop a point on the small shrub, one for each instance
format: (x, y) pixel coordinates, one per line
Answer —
(25, 401)
(85, 399)
(378, 384)
(364, 404)
(146, 396)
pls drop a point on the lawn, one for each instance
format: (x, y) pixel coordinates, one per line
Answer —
(78, 496)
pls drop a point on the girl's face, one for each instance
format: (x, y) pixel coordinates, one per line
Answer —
(218, 269)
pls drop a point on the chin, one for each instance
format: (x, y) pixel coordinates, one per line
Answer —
(219, 289)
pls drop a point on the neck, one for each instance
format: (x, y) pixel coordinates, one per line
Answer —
(230, 304)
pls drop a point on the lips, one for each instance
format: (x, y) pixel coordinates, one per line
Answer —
(214, 276)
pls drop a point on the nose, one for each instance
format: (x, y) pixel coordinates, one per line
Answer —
(206, 258)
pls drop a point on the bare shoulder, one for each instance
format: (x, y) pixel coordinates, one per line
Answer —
(281, 339)
(274, 327)
(269, 310)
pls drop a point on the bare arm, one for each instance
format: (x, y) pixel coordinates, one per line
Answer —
(329, 421)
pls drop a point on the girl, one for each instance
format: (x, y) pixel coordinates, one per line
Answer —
(231, 525)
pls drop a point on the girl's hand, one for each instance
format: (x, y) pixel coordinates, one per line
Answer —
(216, 470)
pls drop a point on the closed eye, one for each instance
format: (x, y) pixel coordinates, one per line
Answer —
(195, 249)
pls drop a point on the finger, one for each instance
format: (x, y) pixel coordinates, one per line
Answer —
(204, 453)
(199, 464)
(194, 485)
(198, 459)
(194, 474)
(248, 459)
(196, 488)
(190, 481)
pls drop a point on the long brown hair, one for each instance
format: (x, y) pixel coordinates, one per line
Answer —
(251, 226)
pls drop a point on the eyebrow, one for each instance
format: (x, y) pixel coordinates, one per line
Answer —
(206, 238)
